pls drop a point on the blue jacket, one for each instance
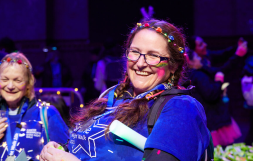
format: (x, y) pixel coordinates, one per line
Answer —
(180, 130)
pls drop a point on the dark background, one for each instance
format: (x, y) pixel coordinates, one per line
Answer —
(77, 27)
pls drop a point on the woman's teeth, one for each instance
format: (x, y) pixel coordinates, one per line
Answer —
(141, 73)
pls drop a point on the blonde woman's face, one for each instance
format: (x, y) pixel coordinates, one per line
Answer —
(13, 83)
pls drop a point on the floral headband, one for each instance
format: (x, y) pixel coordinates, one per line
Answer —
(19, 61)
(159, 30)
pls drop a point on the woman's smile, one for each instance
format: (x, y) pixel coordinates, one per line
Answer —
(142, 73)
(10, 92)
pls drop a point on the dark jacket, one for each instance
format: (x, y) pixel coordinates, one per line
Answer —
(209, 94)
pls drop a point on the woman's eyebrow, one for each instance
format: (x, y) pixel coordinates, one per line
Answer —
(18, 78)
(149, 51)
(153, 51)
(136, 48)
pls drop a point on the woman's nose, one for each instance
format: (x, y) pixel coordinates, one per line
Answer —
(141, 62)
(10, 85)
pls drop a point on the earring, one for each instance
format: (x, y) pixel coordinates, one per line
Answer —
(171, 82)
(125, 78)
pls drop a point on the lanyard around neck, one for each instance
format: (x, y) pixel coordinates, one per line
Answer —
(111, 99)
(12, 143)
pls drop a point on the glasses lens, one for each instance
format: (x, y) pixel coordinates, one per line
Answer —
(152, 59)
(133, 55)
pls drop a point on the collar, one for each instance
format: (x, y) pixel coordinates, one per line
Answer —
(127, 94)
(31, 103)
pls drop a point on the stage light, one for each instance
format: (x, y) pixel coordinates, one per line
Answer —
(45, 50)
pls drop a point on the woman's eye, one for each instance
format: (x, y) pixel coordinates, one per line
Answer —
(18, 81)
(153, 55)
(4, 80)
(134, 51)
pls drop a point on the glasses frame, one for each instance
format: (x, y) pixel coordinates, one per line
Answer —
(140, 54)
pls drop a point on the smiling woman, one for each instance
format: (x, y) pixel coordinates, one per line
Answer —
(18, 100)
(154, 67)
(16, 81)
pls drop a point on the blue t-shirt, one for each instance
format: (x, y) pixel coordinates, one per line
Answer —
(31, 134)
(180, 130)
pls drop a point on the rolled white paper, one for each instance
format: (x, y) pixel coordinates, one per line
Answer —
(128, 134)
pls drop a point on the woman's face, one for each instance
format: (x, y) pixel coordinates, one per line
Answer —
(13, 83)
(142, 75)
(200, 48)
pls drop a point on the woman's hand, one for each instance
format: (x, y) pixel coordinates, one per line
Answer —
(242, 49)
(3, 126)
(219, 76)
(51, 153)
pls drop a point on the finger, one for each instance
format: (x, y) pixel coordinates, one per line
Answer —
(1, 136)
(54, 151)
(4, 119)
(41, 159)
(2, 125)
(244, 44)
(48, 156)
(2, 130)
(43, 152)
(42, 156)
(56, 145)
(53, 144)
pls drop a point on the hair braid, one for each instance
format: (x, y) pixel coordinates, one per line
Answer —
(96, 107)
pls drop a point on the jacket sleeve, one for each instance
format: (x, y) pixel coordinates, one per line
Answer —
(156, 154)
(57, 129)
(220, 56)
(209, 89)
(180, 129)
(226, 67)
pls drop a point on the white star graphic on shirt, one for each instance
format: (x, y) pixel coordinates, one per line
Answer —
(92, 140)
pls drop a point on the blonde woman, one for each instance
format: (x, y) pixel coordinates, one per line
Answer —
(21, 129)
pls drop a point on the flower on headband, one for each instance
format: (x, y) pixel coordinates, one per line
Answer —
(8, 59)
(19, 61)
(146, 25)
(158, 29)
(171, 37)
(181, 49)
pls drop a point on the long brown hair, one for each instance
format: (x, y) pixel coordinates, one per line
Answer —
(30, 78)
(134, 112)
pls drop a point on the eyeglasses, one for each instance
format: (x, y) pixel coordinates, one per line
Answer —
(151, 59)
